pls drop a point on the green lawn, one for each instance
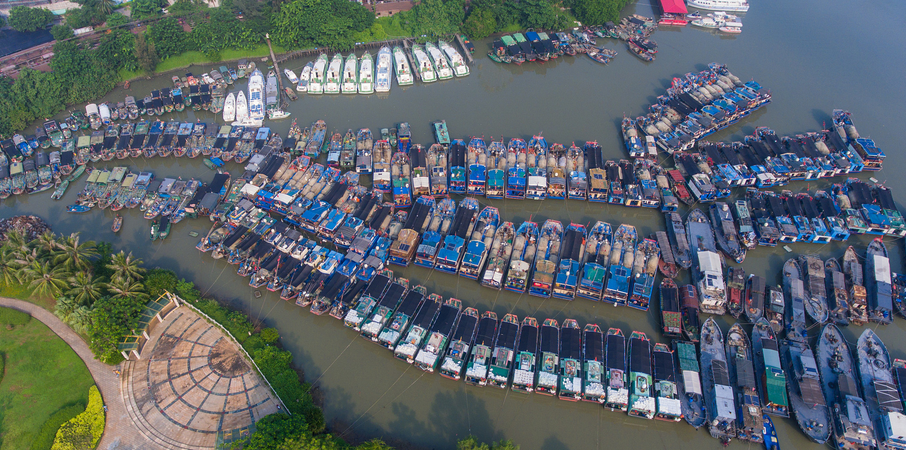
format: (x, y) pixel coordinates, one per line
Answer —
(42, 375)
(22, 292)
(188, 58)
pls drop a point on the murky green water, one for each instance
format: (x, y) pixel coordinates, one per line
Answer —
(814, 55)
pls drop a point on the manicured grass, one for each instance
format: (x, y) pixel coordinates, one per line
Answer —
(22, 292)
(188, 58)
(42, 375)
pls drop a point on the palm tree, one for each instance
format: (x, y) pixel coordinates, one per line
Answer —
(125, 288)
(45, 278)
(85, 289)
(9, 270)
(80, 319)
(106, 6)
(126, 267)
(24, 257)
(75, 254)
(65, 307)
(16, 240)
(47, 243)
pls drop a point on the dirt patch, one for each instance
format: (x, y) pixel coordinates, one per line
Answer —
(225, 360)
(164, 347)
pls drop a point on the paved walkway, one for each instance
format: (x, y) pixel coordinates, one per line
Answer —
(119, 432)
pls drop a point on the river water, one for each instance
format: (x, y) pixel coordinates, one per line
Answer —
(814, 55)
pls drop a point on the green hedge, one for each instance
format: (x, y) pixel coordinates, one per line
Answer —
(85, 430)
(11, 317)
(44, 439)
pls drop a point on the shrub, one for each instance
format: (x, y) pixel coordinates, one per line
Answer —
(85, 430)
(270, 335)
(44, 439)
(159, 280)
(11, 317)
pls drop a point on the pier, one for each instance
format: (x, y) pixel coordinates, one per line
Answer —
(284, 103)
(407, 49)
(465, 50)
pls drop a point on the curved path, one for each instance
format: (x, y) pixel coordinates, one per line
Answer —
(119, 431)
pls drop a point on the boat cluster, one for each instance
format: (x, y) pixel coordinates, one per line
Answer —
(539, 46)
(722, 21)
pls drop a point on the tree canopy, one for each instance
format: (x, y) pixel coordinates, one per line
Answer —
(480, 24)
(597, 12)
(25, 19)
(320, 23)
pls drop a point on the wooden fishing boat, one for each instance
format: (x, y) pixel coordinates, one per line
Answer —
(117, 223)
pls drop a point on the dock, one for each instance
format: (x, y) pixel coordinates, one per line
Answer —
(407, 49)
(465, 50)
(283, 101)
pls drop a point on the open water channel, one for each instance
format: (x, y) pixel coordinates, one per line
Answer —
(814, 55)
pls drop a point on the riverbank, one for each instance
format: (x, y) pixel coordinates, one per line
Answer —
(196, 58)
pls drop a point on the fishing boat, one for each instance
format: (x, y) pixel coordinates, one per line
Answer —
(437, 169)
(420, 179)
(401, 67)
(620, 268)
(381, 173)
(795, 291)
(414, 335)
(477, 165)
(556, 172)
(316, 139)
(384, 67)
(594, 364)
(363, 147)
(852, 424)
(667, 261)
(709, 280)
(476, 249)
(423, 64)
(441, 64)
(348, 152)
(480, 357)
(637, 49)
(524, 248)
(461, 340)
(546, 259)
(689, 386)
(117, 223)
(671, 311)
(736, 285)
(334, 149)
(576, 168)
(499, 256)
(536, 168)
(401, 169)
(878, 283)
(404, 316)
(570, 362)
(527, 354)
(668, 400)
(516, 169)
(78, 208)
(350, 83)
(305, 77)
(438, 335)
(718, 392)
(438, 225)
(501, 361)
(816, 298)
(743, 377)
(747, 234)
(369, 300)
(770, 375)
(458, 156)
(597, 255)
(806, 397)
(775, 309)
(450, 254)
(404, 247)
(754, 305)
(725, 232)
(548, 367)
(642, 403)
(291, 76)
(496, 164)
(332, 80)
(460, 69)
(616, 375)
(318, 77)
(853, 275)
(879, 388)
(644, 272)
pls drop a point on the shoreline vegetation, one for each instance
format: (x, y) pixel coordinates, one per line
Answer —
(193, 33)
(102, 294)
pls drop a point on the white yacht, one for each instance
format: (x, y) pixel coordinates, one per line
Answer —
(242, 108)
(291, 76)
(720, 5)
(350, 75)
(425, 68)
(256, 96)
(229, 108)
(403, 71)
(441, 65)
(366, 74)
(332, 79)
(457, 63)
(316, 83)
(384, 66)
(304, 77)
